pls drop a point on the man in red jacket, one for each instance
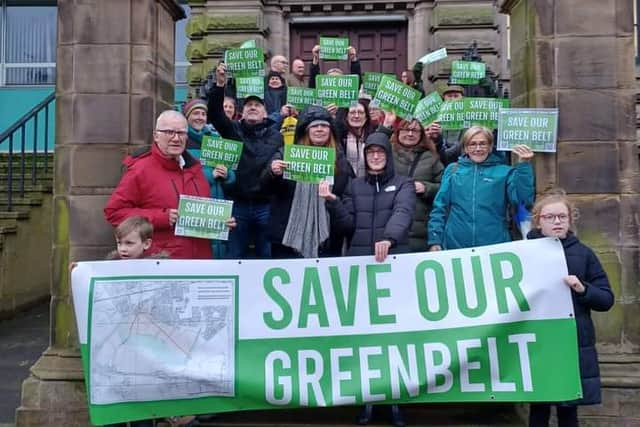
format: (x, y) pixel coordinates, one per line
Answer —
(152, 185)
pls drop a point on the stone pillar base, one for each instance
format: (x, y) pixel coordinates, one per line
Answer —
(55, 393)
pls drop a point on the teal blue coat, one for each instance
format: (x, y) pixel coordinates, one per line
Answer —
(470, 208)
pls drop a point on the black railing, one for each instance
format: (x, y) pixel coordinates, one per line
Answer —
(27, 126)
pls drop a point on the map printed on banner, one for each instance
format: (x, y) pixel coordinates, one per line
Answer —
(182, 333)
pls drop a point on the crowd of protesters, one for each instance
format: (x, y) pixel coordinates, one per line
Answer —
(398, 187)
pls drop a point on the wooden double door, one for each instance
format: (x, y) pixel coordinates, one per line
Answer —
(381, 46)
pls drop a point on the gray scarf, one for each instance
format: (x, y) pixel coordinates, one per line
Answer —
(308, 225)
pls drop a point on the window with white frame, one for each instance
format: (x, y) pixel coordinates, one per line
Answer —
(28, 43)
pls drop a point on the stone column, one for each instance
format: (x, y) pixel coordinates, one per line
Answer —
(455, 24)
(578, 56)
(115, 74)
(217, 25)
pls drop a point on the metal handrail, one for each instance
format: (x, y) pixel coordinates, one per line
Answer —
(29, 121)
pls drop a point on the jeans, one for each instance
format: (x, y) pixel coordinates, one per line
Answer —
(252, 223)
(539, 414)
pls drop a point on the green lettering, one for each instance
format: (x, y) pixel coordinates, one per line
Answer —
(441, 287)
(513, 283)
(346, 310)
(271, 291)
(478, 284)
(374, 294)
(311, 286)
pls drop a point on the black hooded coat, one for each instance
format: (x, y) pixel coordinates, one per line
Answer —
(376, 207)
(283, 190)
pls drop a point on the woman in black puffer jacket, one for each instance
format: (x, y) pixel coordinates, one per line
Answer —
(590, 290)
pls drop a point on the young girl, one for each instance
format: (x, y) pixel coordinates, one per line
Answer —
(590, 290)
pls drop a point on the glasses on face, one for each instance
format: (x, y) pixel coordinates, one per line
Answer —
(409, 130)
(173, 132)
(552, 217)
(483, 145)
(373, 152)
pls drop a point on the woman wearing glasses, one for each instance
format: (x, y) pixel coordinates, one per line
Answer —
(471, 206)
(415, 155)
(590, 290)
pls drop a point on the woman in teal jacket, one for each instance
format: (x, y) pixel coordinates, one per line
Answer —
(471, 207)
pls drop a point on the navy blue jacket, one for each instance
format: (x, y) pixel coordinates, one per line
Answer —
(584, 264)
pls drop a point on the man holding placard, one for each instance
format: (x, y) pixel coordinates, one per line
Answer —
(260, 142)
(154, 181)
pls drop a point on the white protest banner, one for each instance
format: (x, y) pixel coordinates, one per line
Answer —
(175, 337)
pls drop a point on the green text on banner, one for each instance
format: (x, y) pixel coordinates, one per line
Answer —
(309, 164)
(467, 72)
(246, 86)
(247, 62)
(393, 95)
(341, 90)
(535, 127)
(203, 217)
(472, 325)
(300, 97)
(334, 48)
(428, 109)
(219, 151)
(371, 81)
(467, 112)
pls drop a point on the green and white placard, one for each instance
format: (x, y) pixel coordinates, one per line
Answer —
(434, 56)
(246, 86)
(428, 109)
(393, 95)
(371, 81)
(245, 62)
(341, 90)
(203, 217)
(309, 163)
(535, 127)
(467, 72)
(300, 97)
(216, 150)
(467, 112)
(334, 48)
(177, 337)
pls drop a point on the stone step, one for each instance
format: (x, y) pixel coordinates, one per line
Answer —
(28, 187)
(40, 179)
(14, 215)
(8, 226)
(34, 199)
(415, 415)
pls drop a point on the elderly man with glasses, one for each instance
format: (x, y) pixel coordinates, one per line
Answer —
(152, 184)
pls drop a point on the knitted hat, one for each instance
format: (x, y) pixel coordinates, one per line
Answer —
(454, 88)
(318, 123)
(192, 105)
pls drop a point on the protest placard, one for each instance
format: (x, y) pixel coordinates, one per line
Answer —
(371, 81)
(428, 108)
(203, 217)
(309, 163)
(467, 72)
(393, 95)
(300, 97)
(246, 86)
(435, 56)
(248, 44)
(535, 127)
(341, 90)
(481, 325)
(334, 48)
(466, 112)
(216, 150)
(246, 62)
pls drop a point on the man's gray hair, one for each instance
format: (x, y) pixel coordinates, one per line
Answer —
(166, 114)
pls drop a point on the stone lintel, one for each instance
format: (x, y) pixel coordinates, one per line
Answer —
(57, 365)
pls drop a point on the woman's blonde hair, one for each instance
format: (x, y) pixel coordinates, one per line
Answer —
(555, 195)
(475, 130)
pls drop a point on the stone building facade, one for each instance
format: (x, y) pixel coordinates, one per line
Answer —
(390, 35)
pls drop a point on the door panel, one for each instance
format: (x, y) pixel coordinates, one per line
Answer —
(382, 47)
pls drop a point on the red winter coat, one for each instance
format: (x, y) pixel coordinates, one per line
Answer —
(152, 185)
